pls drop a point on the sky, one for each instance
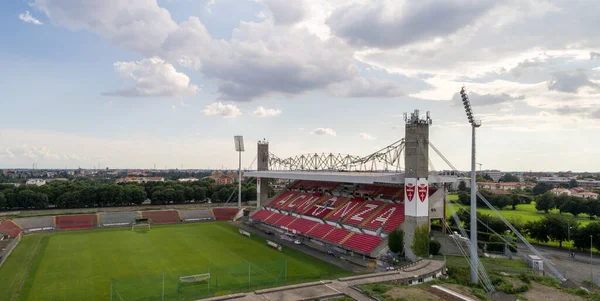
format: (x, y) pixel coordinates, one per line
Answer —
(168, 83)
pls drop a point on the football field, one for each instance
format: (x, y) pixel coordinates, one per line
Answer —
(119, 264)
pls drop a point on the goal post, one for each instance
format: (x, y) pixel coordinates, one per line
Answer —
(194, 280)
(141, 223)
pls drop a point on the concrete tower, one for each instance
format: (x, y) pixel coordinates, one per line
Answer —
(416, 185)
(262, 164)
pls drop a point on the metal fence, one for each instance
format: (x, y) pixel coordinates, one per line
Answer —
(11, 246)
(221, 280)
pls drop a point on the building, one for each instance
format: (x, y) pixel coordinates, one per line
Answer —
(559, 191)
(502, 185)
(140, 179)
(38, 182)
(187, 180)
(586, 195)
(222, 178)
(454, 185)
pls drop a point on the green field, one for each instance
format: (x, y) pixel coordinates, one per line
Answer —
(83, 265)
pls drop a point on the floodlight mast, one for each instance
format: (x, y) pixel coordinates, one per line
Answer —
(239, 147)
(473, 248)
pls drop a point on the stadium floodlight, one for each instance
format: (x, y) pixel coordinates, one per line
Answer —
(239, 147)
(474, 124)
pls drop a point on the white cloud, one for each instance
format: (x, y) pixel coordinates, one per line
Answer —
(154, 77)
(28, 18)
(223, 110)
(263, 112)
(570, 81)
(286, 12)
(366, 136)
(323, 132)
(365, 87)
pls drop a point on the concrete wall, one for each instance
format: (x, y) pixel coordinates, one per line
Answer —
(408, 226)
(416, 158)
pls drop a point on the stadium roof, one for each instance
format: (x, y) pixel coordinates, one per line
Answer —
(345, 177)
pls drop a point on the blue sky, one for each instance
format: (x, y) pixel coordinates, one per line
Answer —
(169, 82)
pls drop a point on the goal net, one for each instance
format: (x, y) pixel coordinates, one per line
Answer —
(200, 279)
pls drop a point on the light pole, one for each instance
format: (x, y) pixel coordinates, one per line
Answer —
(591, 264)
(569, 237)
(474, 124)
(239, 147)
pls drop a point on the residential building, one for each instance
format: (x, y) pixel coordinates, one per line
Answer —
(502, 185)
(187, 180)
(586, 195)
(140, 179)
(38, 182)
(559, 191)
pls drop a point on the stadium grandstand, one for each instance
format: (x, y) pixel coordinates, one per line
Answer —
(9, 227)
(224, 214)
(79, 221)
(354, 223)
(196, 215)
(35, 223)
(162, 216)
(117, 219)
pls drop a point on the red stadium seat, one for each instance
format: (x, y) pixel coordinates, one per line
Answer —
(225, 214)
(273, 218)
(325, 206)
(80, 221)
(262, 215)
(302, 225)
(320, 230)
(363, 243)
(337, 235)
(285, 221)
(9, 227)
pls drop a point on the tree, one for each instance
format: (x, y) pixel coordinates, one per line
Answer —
(541, 188)
(462, 186)
(396, 241)
(507, 177)
(516, 199)
(420, 246)
(537, 230)
(581, 236)
(501, 201)
(199, 194)
(188, 193)
(134, 194)
(434, 247)
(3, 203)
(573, 183)
(575, 206)
(464, 198)
(68, 200)
(545, 202)
(561, 202)
(592, 207)
(557, 227)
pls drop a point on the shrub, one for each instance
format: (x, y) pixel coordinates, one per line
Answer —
(434, 247)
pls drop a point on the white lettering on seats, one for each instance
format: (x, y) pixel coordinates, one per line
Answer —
(346, 209)
(306, 204)
(359, 217)
(327, 205)
(284, 200)
(292, 204)
(383, 218)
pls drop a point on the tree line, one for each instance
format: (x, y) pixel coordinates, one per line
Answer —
(500, 201)
(89, 193)
(564, 229)
(567, 203)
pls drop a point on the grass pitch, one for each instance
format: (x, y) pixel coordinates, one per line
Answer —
(80, 265)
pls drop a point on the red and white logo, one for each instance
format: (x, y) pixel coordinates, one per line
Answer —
(257, 181)
(423, 192)
(410, 191)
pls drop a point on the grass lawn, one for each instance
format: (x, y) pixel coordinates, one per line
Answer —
(81, 265)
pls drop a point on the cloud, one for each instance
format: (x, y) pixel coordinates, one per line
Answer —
(323, 132)
(596, 114)
(137, 25)
(259, 60)
(220, 109)
(391, 23)
(366, 136)
(153, 77)
(570, 81)
(28, 18)
(594, 55)
(365, 87)
(286, 12)
(263, 112)
(486, 99)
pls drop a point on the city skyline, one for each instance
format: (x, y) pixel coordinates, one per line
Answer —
(170, 82)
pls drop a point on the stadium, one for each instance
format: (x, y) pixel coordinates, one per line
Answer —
(201, 253)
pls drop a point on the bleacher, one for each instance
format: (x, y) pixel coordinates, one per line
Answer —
(352, 223)
(195, 215)
(162, 216)
(80, 221)
(225, 214)
(112, 219)
(35, 223)
(9, 227)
